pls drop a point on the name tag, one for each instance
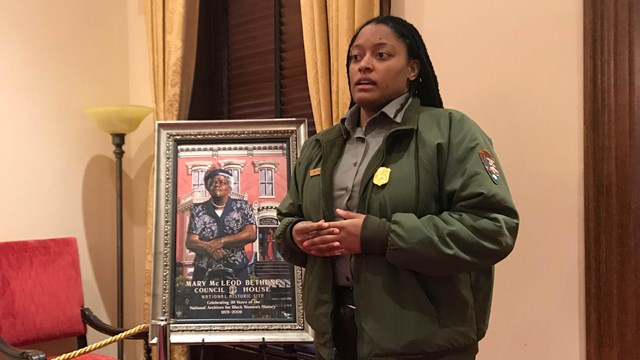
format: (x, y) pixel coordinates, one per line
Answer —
(314, 172)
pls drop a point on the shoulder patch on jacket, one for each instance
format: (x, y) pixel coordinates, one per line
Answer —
(490, 165)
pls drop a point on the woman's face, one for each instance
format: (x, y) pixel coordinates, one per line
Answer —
(380, 69)
(220, 187)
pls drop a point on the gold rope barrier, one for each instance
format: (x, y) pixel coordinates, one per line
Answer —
(103, 343)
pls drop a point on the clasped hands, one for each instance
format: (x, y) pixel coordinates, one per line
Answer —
(333, 238)
(215, 249)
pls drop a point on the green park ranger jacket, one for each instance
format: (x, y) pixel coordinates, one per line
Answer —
(432, 233)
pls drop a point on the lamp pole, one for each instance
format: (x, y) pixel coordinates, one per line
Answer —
(119, 120)
(118, 141)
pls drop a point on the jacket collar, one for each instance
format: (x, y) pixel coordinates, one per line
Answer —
(393, 110)
(410, 117)
(409, 120)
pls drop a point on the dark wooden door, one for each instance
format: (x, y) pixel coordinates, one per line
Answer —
(612, 178)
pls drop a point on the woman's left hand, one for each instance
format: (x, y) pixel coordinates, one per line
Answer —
(348, 235)
(350, 229)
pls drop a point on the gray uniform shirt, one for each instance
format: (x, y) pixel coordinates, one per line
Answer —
(360, 146)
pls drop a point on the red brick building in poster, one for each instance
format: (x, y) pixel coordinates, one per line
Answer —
(260, 171)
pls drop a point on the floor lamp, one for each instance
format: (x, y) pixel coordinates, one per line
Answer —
(119, 121)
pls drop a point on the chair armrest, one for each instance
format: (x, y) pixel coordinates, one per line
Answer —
(92, 320)
(22, 354)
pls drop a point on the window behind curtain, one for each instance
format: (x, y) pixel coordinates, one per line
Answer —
(250, 61)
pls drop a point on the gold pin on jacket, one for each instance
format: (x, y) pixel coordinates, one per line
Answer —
(381, 176)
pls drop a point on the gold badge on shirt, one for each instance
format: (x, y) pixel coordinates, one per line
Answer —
(381, 176)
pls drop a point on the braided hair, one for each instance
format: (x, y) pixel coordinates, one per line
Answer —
(425, 85)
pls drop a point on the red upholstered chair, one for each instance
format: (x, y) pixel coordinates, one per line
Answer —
(41, 298)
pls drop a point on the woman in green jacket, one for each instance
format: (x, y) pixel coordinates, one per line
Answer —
(398, 213)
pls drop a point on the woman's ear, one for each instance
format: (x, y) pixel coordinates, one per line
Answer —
(414, 69)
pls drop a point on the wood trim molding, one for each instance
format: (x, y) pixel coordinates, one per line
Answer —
(385, 7)
(612, 178)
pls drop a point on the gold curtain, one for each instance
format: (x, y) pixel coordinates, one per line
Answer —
(172, 28)
(327, 27)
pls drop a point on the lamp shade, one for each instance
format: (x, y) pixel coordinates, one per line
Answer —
(120, 119)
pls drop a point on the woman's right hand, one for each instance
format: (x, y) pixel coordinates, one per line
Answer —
(214, 249)
(218, 254)
(305, 234)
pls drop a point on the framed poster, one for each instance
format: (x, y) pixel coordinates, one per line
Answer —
(217, 275)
